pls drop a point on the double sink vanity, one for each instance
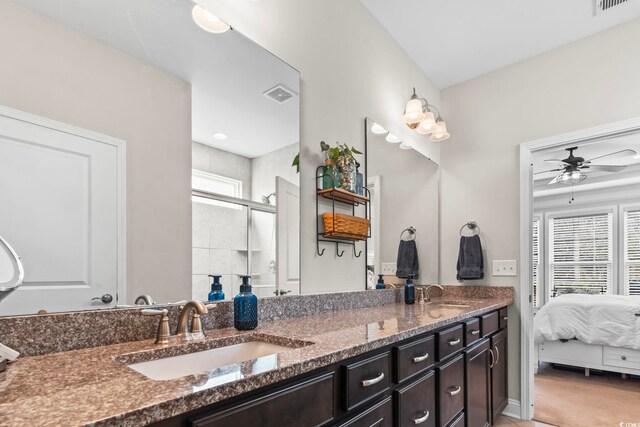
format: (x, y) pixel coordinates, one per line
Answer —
(351, 363)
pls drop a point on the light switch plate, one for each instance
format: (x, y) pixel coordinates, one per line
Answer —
(505, 268)
(389, 268)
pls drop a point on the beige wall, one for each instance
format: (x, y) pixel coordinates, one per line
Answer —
(56, 73)
(350, 68)
(584, 84)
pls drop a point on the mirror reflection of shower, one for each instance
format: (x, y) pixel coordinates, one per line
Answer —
(267, 199)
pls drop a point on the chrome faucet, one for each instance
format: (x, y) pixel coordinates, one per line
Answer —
(427, 292)
(183, 333)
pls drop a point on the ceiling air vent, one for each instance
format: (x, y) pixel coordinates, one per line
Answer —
(604, 5)
(279, 94)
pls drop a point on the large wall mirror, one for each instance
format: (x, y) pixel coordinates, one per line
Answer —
(139, 154)
(404, 186)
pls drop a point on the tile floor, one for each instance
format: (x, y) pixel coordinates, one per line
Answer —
(512, 422)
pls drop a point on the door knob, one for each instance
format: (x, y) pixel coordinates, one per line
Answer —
(106, 298)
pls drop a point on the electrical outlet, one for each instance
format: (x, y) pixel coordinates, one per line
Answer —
(504, 268)
(389, 268)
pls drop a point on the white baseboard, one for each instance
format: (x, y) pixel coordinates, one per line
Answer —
(513, 409)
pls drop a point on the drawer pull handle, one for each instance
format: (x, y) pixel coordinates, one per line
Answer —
(505, 317)
(624, 357)
(497, 355)
(492, 362)
(453, 390)
(419, 359)
(454, 342)
(420, 420)
(475, 332)
(372, 381)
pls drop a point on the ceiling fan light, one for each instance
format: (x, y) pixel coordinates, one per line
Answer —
(377, 129)
(572, 177)
(427, 125)
(208, 21)
(413, 113)
(440, 133)
(392, 138)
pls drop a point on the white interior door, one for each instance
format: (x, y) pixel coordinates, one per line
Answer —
(62, 198)
(287, 236)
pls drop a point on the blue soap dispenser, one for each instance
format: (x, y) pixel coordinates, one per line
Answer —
(245, 307)
(409, 291)
(380, 284)
(216, 293)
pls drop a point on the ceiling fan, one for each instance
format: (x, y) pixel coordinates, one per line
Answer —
(573, 169)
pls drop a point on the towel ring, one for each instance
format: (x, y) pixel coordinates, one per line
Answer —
(471, 225)
(412, 232)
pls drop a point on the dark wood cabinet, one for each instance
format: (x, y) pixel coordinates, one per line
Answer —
(478, 385)
(416, 402)
(499, 372)
(450, 378)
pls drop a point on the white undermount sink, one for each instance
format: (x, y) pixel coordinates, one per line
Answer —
(196, 363)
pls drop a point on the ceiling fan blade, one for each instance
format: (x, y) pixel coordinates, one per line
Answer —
(556, 179)
(556, 161)
(550, 170)
(615, 155)
(606, 168)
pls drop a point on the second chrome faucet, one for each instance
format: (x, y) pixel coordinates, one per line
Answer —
(183, 332)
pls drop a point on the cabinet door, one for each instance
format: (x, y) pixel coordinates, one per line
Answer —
(478, 387)
(450, 390)
(499, 396)
(312, 399)
(416, 403)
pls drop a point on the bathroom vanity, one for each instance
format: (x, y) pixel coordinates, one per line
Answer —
(435, 364)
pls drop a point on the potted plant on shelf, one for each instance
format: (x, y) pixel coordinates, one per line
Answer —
(339, 166)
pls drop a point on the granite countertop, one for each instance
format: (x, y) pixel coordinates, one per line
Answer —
(94, 386)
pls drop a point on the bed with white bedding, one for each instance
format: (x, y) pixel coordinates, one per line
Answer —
(590, 331)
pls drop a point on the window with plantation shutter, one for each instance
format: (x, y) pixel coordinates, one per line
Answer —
(535, 250)
(580, 254)
(632, 252)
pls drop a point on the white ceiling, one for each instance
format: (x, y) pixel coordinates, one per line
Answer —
(454, 41)
(589, 151)
(228, 72)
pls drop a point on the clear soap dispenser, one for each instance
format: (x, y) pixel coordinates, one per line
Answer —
(245, 307)
(216, 293)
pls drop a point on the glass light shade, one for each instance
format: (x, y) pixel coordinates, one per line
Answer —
(440, 133)
(428, 125)
(208, 21)
(377, 129)
(392, 138)
(405, 146)
(413, 112)
(572, 177)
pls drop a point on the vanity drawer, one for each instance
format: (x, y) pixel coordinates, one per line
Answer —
(416, 403)
(380, 415)
(450, 390)
(313, 398)
(504, 318)
(414, 358)
(471, 331)
(489, 323)
(621, 357)
(450, 341)
(364, 380)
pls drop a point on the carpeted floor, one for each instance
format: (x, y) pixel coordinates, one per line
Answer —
(569, 399)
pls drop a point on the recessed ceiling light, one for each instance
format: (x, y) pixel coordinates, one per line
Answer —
(392, 138)
(637, 156)
(377, 129)
(220, 135)
(208, 21)
(405, 146)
